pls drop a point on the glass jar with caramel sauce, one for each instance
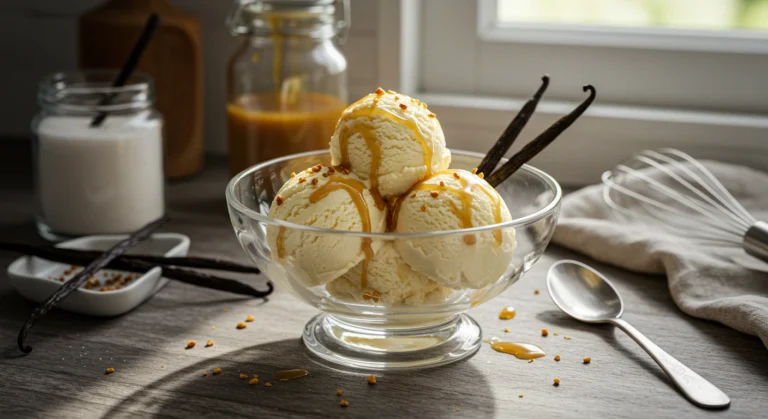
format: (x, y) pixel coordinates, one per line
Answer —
(287, 83)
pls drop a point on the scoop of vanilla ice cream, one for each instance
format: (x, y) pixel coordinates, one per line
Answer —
(325, 198)
(451, 200)
(390, 281)
(390, 139)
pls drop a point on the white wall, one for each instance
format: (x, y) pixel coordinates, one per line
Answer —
(38, 37)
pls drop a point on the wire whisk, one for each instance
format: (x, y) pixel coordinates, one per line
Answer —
(671, 190)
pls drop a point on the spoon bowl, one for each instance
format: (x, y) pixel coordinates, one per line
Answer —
(583, 293)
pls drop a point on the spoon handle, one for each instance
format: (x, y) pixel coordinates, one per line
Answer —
(700, 391)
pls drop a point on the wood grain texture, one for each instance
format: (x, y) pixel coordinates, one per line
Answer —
(155, 376)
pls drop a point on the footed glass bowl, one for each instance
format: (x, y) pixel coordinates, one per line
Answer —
(413, 319)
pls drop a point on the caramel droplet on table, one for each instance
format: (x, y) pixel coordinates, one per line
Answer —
(287, 375)
(519, 350)
(507, 313)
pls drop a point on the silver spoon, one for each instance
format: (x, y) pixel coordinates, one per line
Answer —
(588, 296)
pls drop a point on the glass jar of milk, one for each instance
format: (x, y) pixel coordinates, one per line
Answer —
(98, 154)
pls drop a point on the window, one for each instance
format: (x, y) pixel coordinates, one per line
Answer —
(682, 73)
(705, 15)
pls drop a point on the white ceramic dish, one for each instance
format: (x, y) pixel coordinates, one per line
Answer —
(34, 278)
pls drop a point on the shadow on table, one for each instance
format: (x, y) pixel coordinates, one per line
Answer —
(415, 393)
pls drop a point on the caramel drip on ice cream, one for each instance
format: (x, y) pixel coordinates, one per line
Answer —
(464, 214)
(519, 350)
(375, 149)
(371, 140)
(281, 242)
(355, 190)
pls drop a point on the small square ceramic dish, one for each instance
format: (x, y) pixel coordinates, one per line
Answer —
(36, 279)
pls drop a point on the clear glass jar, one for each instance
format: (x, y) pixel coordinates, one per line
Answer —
(287, 83)
(98, 154)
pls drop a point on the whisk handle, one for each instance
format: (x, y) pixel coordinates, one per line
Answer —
(756, 241)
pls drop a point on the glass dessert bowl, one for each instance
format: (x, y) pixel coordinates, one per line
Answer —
(391, 300)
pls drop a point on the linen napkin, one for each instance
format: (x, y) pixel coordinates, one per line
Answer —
(719, 283)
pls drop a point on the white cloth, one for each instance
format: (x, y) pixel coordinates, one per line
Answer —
(723, 284)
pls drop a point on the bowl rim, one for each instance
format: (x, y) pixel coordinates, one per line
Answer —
(518, 222)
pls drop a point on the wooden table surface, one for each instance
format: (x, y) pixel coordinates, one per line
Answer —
(155, 375)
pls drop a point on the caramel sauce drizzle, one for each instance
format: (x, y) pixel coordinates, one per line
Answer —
(281, 242)
(464, 214)
(371, 142)
(286, 375)
(518, 350)
(375, 149)
(507, 313)
(355, 190)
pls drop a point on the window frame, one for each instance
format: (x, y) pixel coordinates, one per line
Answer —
(655, 38)
(606, 135)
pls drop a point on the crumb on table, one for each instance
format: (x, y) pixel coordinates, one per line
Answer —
(371, 379)
(343, 403)
(587, 360)
(339, 392)
(557, 357)
(544, 332)
(191, 344)
(241, 325)
(216, 371)
(556, 382)
(109, 370)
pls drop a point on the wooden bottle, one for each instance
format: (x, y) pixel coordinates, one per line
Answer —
(173, 58)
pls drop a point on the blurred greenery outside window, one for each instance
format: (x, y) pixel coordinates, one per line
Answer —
(674, 14)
